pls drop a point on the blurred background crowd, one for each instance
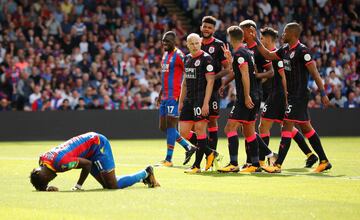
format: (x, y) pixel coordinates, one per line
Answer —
(105, 54)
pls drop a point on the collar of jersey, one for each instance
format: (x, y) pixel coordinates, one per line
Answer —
(48, 165)
(197, 55)
(252, 45)
(240, 46)
(295, 45)
(209, 42)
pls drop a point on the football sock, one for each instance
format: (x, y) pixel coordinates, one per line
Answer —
(266, 138)
(284, 146)
(129, 180)
(315, 142)
(233, 141)
(171, 137)
(192, 138)
(201, 150)
(182, 141)
(253, 149)
(300, 140)
(213, 137)
(263, 148)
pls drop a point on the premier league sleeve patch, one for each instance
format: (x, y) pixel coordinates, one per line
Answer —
(307, 57)
(240, 60)
(209, 68)
(280, 64)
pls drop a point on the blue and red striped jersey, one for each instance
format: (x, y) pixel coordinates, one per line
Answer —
(172, 68)
(65, 156)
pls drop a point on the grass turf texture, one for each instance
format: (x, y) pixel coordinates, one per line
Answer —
(294, 194)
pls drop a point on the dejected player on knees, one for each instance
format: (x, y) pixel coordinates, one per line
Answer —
(298, 64)
(91, 152)
(195, 95)
(212, 46)
(276, 102)
(172, 68)
(247, 103)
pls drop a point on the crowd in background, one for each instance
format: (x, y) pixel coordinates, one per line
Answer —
(105, 54)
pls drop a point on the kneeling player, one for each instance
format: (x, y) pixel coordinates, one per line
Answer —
(92, 153)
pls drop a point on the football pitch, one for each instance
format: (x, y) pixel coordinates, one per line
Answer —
(296, 193)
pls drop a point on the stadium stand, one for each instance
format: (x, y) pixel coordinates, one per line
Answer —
(105, 54)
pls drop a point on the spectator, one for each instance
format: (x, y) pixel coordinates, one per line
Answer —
(338, 100)
(351, 103)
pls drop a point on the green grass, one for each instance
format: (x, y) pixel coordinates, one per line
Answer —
(294, 194)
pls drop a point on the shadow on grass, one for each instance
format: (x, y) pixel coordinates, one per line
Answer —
(135, 187)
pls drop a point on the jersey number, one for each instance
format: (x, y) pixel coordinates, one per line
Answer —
(288, 110)
(170, 109)
(215, 105)
(197, 111)
(264, 108)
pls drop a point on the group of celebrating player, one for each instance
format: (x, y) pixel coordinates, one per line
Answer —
(209, 67)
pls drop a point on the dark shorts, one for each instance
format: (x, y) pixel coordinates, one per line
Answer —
(191, 112)
(274, 108)
(297, 110)
(214, 107)
(242, 114)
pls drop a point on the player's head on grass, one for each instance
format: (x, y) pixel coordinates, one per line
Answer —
(291, 33)
(168, 41)
(248, 27)
(193, 42)
(236, 35)
(40, 177)
(207, 27)
(268, 36)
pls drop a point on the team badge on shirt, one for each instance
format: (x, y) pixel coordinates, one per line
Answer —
(197, 62)
(211, 49)
(292, 54)
(280, 64)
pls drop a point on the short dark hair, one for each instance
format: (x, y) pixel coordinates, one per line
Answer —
(247, 24)
(294, 28)
(235, 32)
(268, 31)
(170, 33)
(209, 19)
(36, 180)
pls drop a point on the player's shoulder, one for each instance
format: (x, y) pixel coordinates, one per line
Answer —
(218, 41)
(179, 52)
(207, 56)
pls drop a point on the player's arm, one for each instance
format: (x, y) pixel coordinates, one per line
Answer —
(159, 97)
(244, 69)
(311, 66)
(229, 60)
(225, 71)
(269, 55)
(210, 79)
(283, 82)
(85, 166)
(182, 94)
(269, 73)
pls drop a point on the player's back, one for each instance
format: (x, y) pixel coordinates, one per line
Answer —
(172, 67)
(83, 146)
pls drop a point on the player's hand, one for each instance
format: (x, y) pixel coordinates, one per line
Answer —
(221, 91)
(249, 103)
(158, 100)
(205, 109)
(181, 104)
(227, 53)
(325, 101)
(52, 189)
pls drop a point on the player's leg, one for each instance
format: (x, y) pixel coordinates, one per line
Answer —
(300, 140)
(233, 145)
(264, 129)
(286, 136)
(315, 142)
(213, 132)
(250, 136)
